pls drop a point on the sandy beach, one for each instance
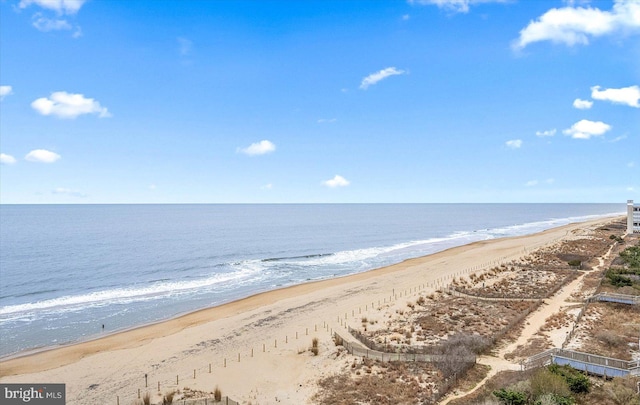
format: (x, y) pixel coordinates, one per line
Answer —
(256, 349)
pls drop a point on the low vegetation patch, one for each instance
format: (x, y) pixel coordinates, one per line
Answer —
(551, 385)
(372, 382)
(314, 346)
(626, 273)
(609, 330)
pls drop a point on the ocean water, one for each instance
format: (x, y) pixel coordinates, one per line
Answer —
(65, 270)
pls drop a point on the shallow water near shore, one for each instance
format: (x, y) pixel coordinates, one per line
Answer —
(69, 269)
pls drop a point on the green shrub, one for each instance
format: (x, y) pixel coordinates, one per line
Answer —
(574, 263)
(631, 257)
(618, 280)
(578, 382)
(509, 397)
(551, 399)
(545, 382)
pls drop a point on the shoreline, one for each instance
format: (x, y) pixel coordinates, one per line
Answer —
(181, 344)
(193, 318)
(99, 336)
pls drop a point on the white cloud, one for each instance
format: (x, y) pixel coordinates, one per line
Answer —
(69, 105)
(458, 6)
(406, 17)
(574, 25)
(582, 104)
(267, 187)
(548, 132)
(374, 78)
(5, 91)
(42, 156)
(152, 186)
(327, 120)
(59, 6)
(514, 143)
(627, 95)
(336, 181)
(631, 165)
(69, 192)
(47, 24)
(585, 129)
(258, 148)
(7, 159)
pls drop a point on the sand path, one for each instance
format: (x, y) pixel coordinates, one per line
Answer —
(533, 323)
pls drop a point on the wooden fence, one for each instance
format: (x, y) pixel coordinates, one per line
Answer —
(465, 363)
(387, 348)
(489, 296)
(601, 297)
(365, 352)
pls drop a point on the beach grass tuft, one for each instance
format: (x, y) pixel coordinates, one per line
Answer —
(167, 399)
(337, 340)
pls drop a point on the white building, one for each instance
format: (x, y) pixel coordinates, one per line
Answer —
(633, 217)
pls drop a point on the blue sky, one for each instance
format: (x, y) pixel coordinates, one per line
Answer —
(319, 101)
